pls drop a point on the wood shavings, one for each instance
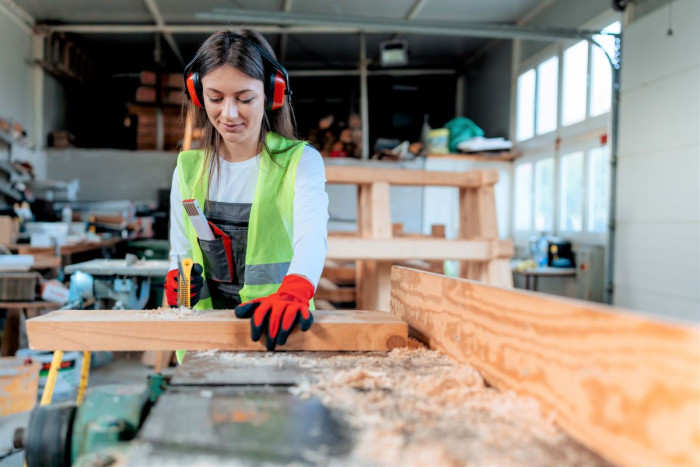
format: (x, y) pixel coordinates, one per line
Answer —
(171, 313)
(416, 407)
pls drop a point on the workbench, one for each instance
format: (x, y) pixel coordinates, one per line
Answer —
(531, 275)
(68, 252)
(624, 385)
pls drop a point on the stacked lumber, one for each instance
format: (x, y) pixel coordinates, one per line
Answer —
(147, 117)
(157, 109)
(336, 288)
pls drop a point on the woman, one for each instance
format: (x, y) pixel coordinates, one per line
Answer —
(262, 191)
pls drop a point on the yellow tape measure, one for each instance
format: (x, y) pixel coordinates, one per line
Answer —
(187, 264)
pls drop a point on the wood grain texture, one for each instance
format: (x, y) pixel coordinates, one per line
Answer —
(365, 175)
(625, 385)
(206, 330)
(408, 248)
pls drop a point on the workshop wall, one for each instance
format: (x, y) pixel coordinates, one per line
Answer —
(658, 214)
(16, 99)
(112, 174)
(488, 90)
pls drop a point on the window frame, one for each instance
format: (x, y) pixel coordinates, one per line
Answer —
(581, 136)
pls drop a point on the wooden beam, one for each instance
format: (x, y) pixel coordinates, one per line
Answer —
(206, 330)
(411, 248)
(327, 290)
(324, 304)
(339, 275)
(366, 175)
(625, 385)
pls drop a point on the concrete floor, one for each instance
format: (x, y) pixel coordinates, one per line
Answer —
(122, 368)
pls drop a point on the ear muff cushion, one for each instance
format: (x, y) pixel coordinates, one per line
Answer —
(279, 90)
(194, 89)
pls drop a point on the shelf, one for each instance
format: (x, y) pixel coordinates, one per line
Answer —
(505, 156)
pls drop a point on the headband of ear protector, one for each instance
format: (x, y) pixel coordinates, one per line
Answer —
(275, 78)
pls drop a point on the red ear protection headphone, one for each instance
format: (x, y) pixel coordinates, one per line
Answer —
(275, 78)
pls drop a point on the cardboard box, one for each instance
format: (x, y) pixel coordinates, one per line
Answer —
(174, 80)
(145, 94)
(148, 78)
(8, 230)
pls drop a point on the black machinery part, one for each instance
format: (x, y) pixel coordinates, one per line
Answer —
(48, 435)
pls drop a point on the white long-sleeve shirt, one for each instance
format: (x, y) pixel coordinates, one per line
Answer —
(237, 185)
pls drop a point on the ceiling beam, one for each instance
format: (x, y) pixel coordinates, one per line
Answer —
(17, 15)
(383, 25)
(387, 72)
(283, 22)
(155, 12)
(415, 9)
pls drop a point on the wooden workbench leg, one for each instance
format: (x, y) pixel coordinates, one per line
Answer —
(374, 221)
(383, 291)
(163, 359)
(469, 229)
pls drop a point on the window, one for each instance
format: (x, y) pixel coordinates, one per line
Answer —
(575, 81)
(571, 176)
(525, 112)
(598, 189)
(547, 79)
(523, 196)
(544, 195)
(601, 73)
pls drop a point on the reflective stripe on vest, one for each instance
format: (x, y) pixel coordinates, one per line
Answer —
(262, 274)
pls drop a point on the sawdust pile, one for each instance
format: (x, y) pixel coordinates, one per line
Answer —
(171, 313)
(416, 407)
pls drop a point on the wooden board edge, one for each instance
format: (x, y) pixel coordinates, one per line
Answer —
(624, 421)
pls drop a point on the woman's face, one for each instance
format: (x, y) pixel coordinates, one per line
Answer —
(235, 105)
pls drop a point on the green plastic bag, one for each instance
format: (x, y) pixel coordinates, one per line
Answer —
(462, 129)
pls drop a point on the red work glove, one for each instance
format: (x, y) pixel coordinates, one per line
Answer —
(278, 313)
(196, 284)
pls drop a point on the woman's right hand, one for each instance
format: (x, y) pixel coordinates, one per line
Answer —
(196, 284)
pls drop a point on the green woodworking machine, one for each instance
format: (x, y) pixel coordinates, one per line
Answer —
(209, 411)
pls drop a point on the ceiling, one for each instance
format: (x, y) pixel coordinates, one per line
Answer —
(300, 50)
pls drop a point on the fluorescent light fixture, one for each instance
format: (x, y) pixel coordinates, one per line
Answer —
(393, 53)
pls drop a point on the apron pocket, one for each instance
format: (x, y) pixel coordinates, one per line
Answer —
(218, 256)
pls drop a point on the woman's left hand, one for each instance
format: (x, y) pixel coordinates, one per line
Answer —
(278, 313)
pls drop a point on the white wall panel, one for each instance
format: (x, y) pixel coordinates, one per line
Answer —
(657, 304)
(657, 254)
(649, 35)
(660, 186)
(659, 257)
(660, 114)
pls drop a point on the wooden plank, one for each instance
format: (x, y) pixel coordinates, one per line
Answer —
(339, 275)
(505, 156)
(327, 290)
(340, 294)
(625, 385)
(324, 305)
(380, 212)
(408, 248)
(381, 228)
(360, 175)
(365, 272)
(206, 330)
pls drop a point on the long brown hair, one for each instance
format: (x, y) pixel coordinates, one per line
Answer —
(222, 48)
